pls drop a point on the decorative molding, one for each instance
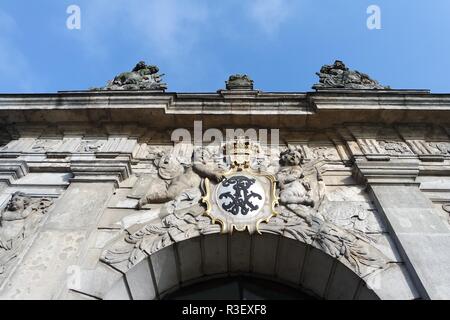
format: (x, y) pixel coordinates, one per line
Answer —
(100, 171)
(394, 147)
(374, 172)
(12, 170)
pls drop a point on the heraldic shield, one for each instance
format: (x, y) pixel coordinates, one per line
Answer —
(242, 200)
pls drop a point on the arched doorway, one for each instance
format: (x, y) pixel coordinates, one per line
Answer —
(238, 288)
(279, 261)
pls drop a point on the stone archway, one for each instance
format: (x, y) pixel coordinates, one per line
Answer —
(240, 287)
(267, 256)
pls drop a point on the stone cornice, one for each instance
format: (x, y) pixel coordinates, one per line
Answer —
(85, 170)
(381, 172)
(171, 103)
(183, 102)
(11, 169)
(104, 171)
(386, 100)
(322, 109)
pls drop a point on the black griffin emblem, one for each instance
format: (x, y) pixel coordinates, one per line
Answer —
(240, 200)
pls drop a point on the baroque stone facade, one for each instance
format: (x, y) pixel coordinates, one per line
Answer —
(348, 196)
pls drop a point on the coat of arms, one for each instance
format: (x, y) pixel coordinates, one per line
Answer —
(244, 198)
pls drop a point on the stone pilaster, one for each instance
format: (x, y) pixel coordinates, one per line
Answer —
(63, 241)
(421, 237)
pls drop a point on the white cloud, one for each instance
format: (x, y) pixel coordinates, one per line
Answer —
(173, 33)
(168, 27)
(270, 14)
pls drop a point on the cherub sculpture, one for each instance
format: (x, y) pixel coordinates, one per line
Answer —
(176, 177)
(293, 188)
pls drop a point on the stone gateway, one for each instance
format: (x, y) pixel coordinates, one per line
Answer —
(345, 195)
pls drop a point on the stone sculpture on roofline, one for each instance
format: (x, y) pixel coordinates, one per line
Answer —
(142, 77)
(335, 76)
(338, 76)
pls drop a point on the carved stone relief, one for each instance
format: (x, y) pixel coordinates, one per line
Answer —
(304, 217)
(179, 186)
(352, 215)
(392, 147)
(151, 152)
(442, 148)
(424, 148)
(369, 146)
(265, 159)
(384, 147)
(19, 221)
(90, 146)
(46, 145)
(351, 247)
(176, 172)
(244, 197)
(420, 147)
(321, 152)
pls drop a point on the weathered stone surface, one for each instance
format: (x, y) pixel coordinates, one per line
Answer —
(291, 258)
(80, 206)
(361, 177)
(239, 82)
(240, 252)
(381, 284)
(316, 272)
(141, 283)
(264, 254)
(420, 234)
(119, 291)
(20, 221)
(42, 272)
(215, 254)
(190, 259)
(165, 269)
(339, 76)
(343, 284)
(96, 282)
(142, 77)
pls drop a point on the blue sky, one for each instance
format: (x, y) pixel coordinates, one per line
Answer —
(198, 44)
